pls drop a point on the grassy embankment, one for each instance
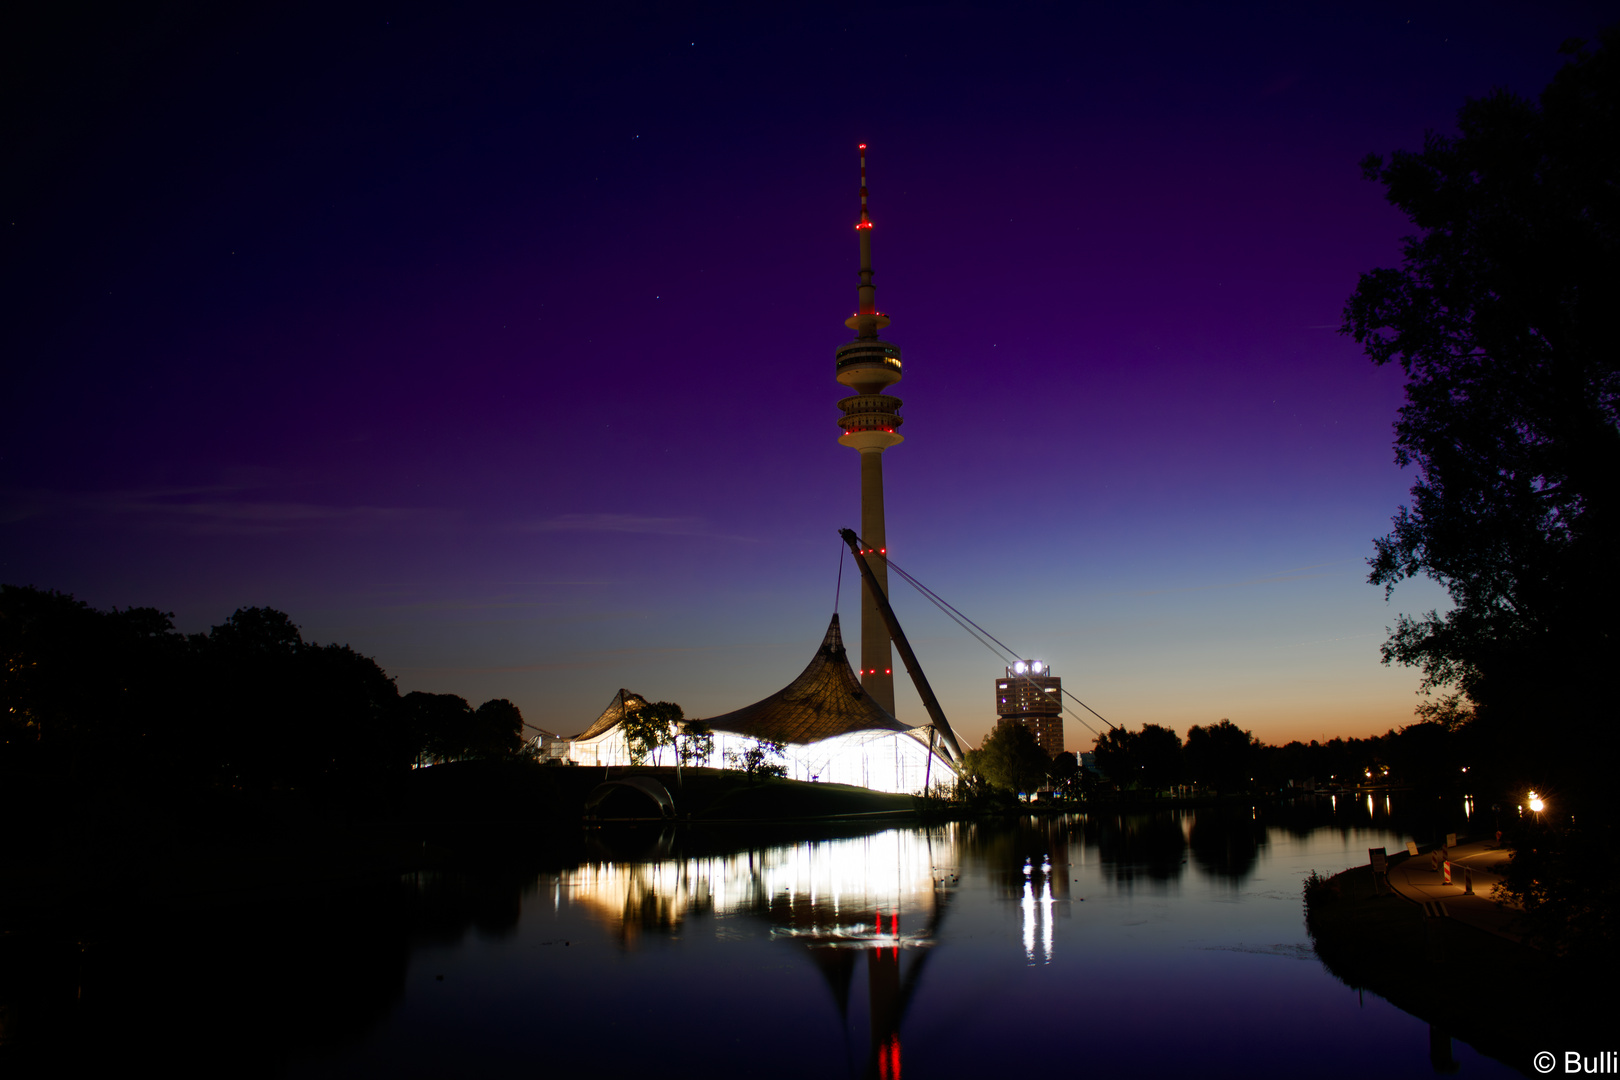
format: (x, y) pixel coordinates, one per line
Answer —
(513, 792)
(1503, 998)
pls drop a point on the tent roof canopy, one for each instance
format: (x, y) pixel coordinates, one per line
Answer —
(624, 701)
(824, 701)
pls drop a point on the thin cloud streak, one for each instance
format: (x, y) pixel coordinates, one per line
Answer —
(180, 509)
(629, 523)
(601, 658)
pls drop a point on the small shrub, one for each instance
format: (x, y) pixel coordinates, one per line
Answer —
(1319, 889)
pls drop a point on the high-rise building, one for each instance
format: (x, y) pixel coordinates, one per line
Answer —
(1031, 695)
(871, 421)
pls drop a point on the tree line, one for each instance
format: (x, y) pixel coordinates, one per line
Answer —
(1224, 758)
(88, 695)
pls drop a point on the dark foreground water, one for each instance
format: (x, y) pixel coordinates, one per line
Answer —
(1110, 945)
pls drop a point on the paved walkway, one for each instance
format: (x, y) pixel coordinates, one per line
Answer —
(1414, 879)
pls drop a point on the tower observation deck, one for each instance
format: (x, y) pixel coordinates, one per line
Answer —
(871, 422)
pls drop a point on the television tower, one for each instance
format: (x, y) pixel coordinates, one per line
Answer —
(869, 365)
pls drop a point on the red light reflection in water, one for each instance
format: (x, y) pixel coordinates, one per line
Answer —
(889, 1058)
(883, 978)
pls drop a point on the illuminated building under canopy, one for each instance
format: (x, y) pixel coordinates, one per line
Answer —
(832, 731)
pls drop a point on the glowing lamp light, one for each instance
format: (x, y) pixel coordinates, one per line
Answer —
(1019, 667)
(1037, 667)
(1536, 804)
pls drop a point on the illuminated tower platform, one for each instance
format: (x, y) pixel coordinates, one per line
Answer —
(1031, 695)
(871, 421)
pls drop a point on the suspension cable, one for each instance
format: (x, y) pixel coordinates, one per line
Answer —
(839, 587)
(984, 637)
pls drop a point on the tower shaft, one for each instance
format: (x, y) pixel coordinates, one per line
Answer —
(869, 365)
(877, 658)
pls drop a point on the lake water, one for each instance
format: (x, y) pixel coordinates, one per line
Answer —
(1108, 945)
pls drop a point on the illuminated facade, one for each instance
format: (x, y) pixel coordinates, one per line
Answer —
(830, 729)
(1029, 694)
(871, 424)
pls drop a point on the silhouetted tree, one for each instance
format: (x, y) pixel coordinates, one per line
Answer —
(441, 725)
(1012, 759)
(1222, 756)
(351, 710)
(1158, 751)
(497, 730)
(1115, 753)
(755, 759)
(694, 742)
(274, 711)
(112, 698)
(86, 690)
(251, 719)
(649, 728)
(1065, 773)
(1149, 759)
(1291, 762)
(1502, 317)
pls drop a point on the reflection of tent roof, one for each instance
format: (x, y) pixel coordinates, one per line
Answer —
(825, 700)
(624, 701)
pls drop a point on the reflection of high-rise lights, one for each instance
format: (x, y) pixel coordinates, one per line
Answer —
(1046, 923)
(1037, 913)
(1028, 906)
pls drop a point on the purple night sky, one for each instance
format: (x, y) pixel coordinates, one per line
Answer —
(499, 344)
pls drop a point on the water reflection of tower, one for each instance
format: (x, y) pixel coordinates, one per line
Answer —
(871, 421)
(886, 1004)
(879, 896)
(1029, 694)
(836, 931)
